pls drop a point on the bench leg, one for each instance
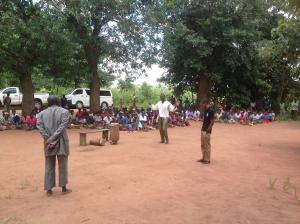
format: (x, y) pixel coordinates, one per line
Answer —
(82, 139)
(105, 135)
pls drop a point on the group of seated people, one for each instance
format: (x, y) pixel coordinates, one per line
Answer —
(13, 120)
(245, 117)
(133, 119)
(130, 120)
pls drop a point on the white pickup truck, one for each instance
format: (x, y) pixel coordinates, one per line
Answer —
(16, 96)
(80, 98)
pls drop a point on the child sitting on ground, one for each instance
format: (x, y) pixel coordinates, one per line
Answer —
(2, 122)
(31, 122)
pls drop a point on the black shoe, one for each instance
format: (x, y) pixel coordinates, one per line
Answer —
(162, 142)
(65, 190)
(200, 160)
(206, 162)
(49, 193)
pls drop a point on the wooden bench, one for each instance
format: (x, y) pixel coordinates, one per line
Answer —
(82, 135)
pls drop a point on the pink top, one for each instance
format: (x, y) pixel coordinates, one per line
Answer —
(31, 120)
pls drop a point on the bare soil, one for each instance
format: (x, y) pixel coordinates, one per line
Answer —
(254, 178)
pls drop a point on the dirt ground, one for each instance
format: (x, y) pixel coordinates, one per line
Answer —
(140, 181)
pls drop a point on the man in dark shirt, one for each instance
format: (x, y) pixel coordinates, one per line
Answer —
(208, 122)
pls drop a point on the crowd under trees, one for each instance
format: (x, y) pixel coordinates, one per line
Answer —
(239, 50)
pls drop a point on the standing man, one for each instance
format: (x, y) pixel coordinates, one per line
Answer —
(52, 124)
(134, 101)
(6, 103)
(208, 122)
(294, 107)
(164, 107)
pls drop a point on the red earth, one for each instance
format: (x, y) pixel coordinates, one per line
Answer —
(254, 178)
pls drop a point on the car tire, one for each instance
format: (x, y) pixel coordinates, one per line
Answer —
(79, 105)
(104, 105)
(38, 103)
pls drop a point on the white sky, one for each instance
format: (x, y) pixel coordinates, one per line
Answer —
(152, 74)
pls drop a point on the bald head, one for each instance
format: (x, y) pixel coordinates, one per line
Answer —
(162, 97)
(53, 101)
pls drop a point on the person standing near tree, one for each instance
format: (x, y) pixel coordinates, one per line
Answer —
(134, 101)
(208, 122)
(164, 108)
(52, 124)
(6, 103)
(294, 109)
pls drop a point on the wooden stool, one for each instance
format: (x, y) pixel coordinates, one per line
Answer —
(82, 139)
(82, 135)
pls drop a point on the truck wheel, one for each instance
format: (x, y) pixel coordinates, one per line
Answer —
(104, 105)
(38, 103)
(79, 105)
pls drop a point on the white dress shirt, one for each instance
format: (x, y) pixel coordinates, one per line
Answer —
(163, 108)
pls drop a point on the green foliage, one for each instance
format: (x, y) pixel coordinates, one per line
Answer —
(233, 44)
(215, 39)
(145, 94)
(280, 62)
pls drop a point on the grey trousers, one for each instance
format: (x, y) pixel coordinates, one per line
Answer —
(50, 162)
(163, 125)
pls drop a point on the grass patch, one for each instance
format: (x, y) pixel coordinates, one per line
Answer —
(272, 183)
(24, 185)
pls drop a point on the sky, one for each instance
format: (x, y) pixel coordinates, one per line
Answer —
(152, 74)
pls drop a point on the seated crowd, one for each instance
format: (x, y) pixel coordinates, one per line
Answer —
(134, 119)
(15, 121)
(130, 120)
(245, 117)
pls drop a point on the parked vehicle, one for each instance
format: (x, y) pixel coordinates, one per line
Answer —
(17, 97)
(80, 98)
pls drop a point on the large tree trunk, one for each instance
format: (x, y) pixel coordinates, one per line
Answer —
(95, 93)
(93, 58)
(28, 92)
(203, 92)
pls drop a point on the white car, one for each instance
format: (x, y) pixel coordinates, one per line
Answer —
(80, 98)
(17, 97)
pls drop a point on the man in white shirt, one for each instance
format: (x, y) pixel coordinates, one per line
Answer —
(107, 120)
(143, 119)
(164, 108)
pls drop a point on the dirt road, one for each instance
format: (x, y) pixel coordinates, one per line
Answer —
(140, 181)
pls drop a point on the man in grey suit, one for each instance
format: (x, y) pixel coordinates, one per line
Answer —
(52, 124)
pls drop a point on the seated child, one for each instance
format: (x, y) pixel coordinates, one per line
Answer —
(31, 121)
(219, 115)
(2, 122)
(97, 118)
(15, 118)
(79, 116)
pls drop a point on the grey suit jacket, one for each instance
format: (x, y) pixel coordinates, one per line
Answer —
(52, 124)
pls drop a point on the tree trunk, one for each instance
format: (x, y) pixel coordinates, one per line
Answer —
(203, 93)
(95, 93)
(28, 92)
(93, 57)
